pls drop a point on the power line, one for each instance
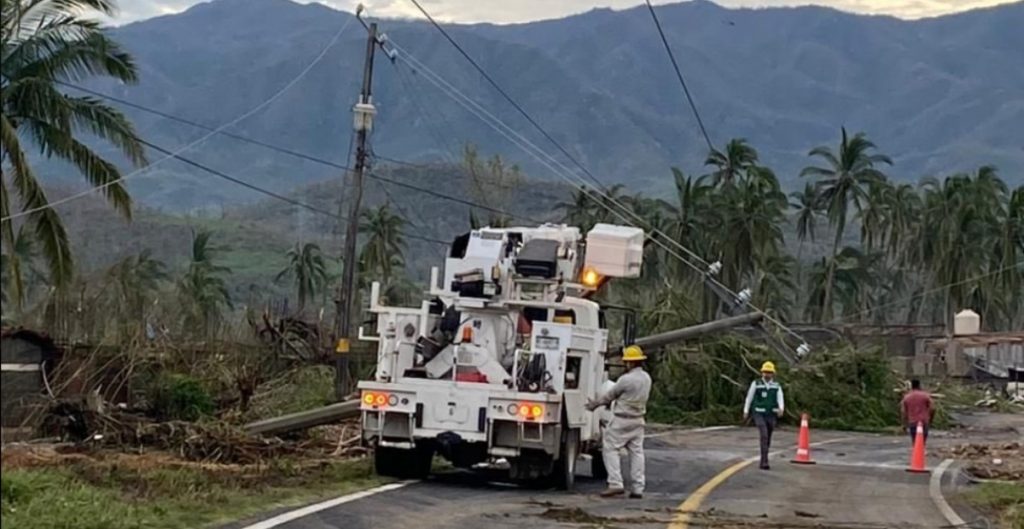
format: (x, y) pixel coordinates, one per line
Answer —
(231, 123)
(230, 178)
(679, 75)
(454, 199)
(261, 190)
(415, 96)
(405, 213)
(522, 142)
(308, 157)
(505, 94)
(179, 119)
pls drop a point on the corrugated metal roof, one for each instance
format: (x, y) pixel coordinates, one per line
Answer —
(984, 339)
(21, 333)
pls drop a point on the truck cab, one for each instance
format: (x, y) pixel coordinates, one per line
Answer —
(496, 365)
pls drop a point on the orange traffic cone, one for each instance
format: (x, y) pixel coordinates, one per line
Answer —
(803, 444)
(917, 455)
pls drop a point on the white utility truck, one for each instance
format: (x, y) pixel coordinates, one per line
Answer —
(496, 366)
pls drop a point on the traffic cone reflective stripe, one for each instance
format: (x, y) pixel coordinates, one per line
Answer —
(803, 443)
(917, 454)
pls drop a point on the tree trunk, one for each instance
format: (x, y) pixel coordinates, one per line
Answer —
(947, 318)
(799, 274)
(826, 305)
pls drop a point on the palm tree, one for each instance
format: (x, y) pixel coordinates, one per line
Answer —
(382, 252)
(18, 270)
(581, 210)
(689, 216)
(307, 266)
(874, 214)
(773, 284)
(904, 215)
(131, 285)
(203, 290)
(46, 43)
(852, 274)
(807, 205)
(750, 216)
(1009, 251)
(962, 216)
(732, 164)
(844, 180)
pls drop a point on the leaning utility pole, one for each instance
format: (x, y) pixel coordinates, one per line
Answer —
(363, 114)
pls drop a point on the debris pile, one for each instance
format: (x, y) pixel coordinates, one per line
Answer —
(993, 461)
(208, 441)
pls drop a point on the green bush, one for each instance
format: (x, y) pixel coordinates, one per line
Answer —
(174, 396)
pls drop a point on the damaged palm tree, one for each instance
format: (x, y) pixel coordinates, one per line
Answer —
(46, 44)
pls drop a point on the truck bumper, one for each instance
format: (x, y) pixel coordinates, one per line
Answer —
(490, 419)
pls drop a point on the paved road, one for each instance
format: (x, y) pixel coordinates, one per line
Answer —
(859, 482)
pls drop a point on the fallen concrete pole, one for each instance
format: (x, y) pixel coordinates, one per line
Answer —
(350, 408)
(667, 338)
(305, 419)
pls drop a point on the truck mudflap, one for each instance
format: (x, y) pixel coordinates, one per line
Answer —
(397, 426)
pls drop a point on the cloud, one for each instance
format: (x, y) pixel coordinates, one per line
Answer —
(509, 11)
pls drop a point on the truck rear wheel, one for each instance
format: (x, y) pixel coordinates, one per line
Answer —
(387, 461)
(564, 473)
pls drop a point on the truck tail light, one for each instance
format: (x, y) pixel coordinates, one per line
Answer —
(530, 411)
(378, 400)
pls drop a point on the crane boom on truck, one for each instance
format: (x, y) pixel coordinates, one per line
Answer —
(501, 359)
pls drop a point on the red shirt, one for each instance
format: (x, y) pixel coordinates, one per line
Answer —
(917, 407)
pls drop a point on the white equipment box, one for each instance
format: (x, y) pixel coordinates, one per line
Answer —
(615, 251)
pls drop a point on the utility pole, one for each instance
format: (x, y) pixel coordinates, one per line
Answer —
(363, 113)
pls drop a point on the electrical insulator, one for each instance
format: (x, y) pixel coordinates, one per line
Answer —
(714, 268)
(743, 297)
(803, 350)
(362, 116)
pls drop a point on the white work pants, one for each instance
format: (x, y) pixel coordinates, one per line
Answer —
(626, 433)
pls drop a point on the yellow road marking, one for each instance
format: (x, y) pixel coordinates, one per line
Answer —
(684, 513)
(682, 518)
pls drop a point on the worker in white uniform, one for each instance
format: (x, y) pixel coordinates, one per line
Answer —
(626, 428)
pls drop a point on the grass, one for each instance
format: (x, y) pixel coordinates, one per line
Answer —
(90, 496)
(1004, 500)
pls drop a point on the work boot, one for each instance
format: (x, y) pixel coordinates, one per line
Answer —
(609, 493)
(636, 495)
(765, 466)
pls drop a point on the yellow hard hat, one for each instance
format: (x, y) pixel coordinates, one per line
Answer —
(767, 367)
(633, 353)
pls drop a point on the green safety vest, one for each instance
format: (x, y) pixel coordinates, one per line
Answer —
(766, 396)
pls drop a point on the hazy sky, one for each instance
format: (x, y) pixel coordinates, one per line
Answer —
(503, 11)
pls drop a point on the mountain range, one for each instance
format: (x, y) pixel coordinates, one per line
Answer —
(939, 95)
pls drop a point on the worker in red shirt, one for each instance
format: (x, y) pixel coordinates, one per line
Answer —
(917, 408)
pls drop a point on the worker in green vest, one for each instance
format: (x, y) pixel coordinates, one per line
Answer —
(766, 403)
